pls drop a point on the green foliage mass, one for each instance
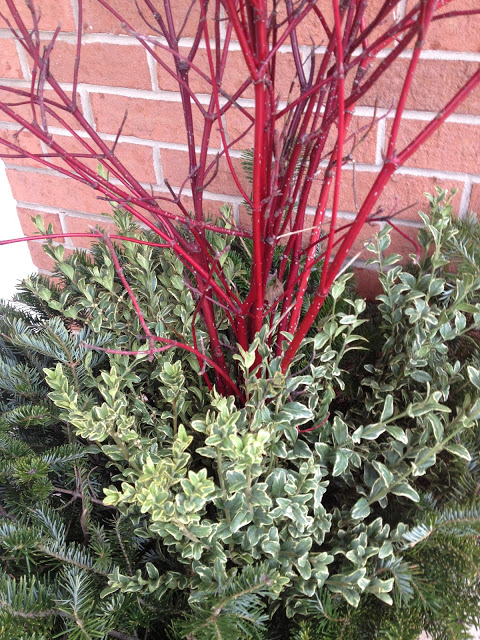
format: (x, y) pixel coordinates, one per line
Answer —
(338, 501)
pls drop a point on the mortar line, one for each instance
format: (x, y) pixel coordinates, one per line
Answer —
(402, 9)
(410, 171)
(359, 167)
(126, 39)
(23, 60)
(87, 106)
(152, 68)
(75, 13)
(63, 223)
(465, 199)
(381, 136)
(236, 213)
(175, 97)
(223, 28)
(157, 164)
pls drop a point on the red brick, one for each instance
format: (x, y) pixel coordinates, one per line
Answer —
(25, 141)
(166, 82)
(85, 225)
(410, 190)
(363, 153)
(366, 234)
(189, 24)
(28, 227)
(211, 209)
(367, 282)
(40, 258)
(360, 142)
(167, 204)
(224, 181)
(25, 111)
(55, 191)
(401, 191)
(148, 119)
(237, 73)
(175, 170)
(453, 147)
(9, 62)
(96, 19)
(435, 82)
(245, 216)
(102, 64)
(474, 204)
(461, 33)
(237, 124)
(403, 244)
(137, 159)
(310, 29)
(52, 13)
(234, 77)
(175, 167)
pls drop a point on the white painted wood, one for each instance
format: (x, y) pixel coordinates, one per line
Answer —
(15, 260)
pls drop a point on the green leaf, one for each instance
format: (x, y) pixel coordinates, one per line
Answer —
(392, 259)
(397, 432)
(437, 426)
(372, 431)
(421, 376)
(421, 408)
(385, 550)
(436, 287)
(339, 286)
(342, 456)
(384, 239)
(384, 472)
(459, 450)
(361, 509)
(340, 430)
(295, 413)
(404, 489)
(474, 375)
(387, 408)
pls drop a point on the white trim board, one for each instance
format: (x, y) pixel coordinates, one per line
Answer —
(15, 259)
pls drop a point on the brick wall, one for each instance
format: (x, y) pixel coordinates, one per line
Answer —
(118, 74)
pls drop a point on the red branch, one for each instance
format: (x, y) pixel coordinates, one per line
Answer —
(293, 164)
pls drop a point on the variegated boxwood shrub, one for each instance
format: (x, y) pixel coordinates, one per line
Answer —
(322, 486)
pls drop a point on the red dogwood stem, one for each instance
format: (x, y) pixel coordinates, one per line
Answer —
(385, 174)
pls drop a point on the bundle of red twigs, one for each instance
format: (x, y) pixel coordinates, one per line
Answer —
(290, 141)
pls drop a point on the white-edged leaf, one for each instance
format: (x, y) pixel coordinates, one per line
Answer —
(421, 376)
(474, 375)
(404, 489)
(342, 456)
(372, 431)
(459, 450)
(387, 408)
(397, 432)
(361, 509)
